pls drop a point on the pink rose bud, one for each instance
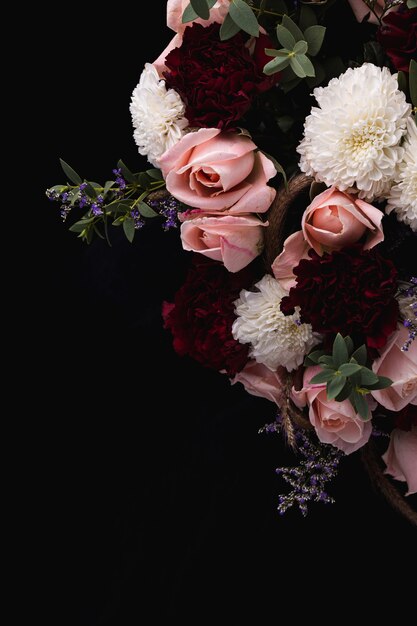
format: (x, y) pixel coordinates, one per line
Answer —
(401, 457)
(215, 171)
(259, 380)
(401, 367)
(233, 240)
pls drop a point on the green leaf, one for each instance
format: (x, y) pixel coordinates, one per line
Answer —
(155, 174)
(322, 377)
(411, 4)
(189, 15)
(146, 211)
(127, 174)
(228, 29)
(302, 66)
(201, 8)
(345, 393)
(143, 180)
(277, 64)
(320, 76)
(402, 82)
(412, 82)
(383, 383)
(360, 355)
(335, 386)
(327, 360)
(314, 36)
(349, 344)
(284, 37)
(244, 17)
(272, 52)
(339, 353)
(289, 83)
(74, 196)
(368, 377)
(313, 357)
(129, 228)
(285, 122)
(347, 369)
(58, 188)
(307, 17)
(300, 47)
(292, 27)
(89, 190)
(79, 226)
(360, 405)
(70, 173)
(109, 184)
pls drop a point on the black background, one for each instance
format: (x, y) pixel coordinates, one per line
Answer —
(154, 488)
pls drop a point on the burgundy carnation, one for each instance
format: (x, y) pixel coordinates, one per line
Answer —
(350, 291)
(202, 315)
(398, 37)
(217, 80)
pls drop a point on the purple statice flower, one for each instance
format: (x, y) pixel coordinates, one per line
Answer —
(168, 207)
(139, 222)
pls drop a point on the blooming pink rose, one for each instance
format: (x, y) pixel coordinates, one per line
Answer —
(360, 9)
(334, 220)
(215, 171)
(234, 240)
(258, 380)
(401, 457)
(401, 367)
(175, 9)
(335, 422)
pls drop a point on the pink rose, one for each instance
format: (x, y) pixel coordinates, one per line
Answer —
(258, 380)
(336, 423)
(334, 220)
(175, 9)
(214, 171)
(360, 9)
(401, 457)
(401, 367)
(234, 240)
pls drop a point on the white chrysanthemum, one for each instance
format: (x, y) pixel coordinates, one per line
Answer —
(353, 140)
(276, 339)
(157, 115)
(403, 194)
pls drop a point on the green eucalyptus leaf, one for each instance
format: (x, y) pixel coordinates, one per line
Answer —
(228, 29)
(349, 344)
(344, 393)
(118, 221)
(302, 66)
(327, 361)
(70, 173)
(411, 4)
(412, 82)
(272, 52)
(155, 174)
(322, 377)
(340, 354)
(276, 65)
(129, 228)
(79, 226)
(143, 180)
(108, 185)
(300, 47)
(285, 37)
(201, 8)
(146, 211)
(314, 36)
(89, 190)
(360, 355)
(244, 17)
(383, 383)
(402, 82)
(360, 405)
(189, 15)
(347, 369)
(292, 27)
(58, 188)
(74, 195)
(307, 17)
(335, 386)
(313, 357)
(127, 174)
(367, 377)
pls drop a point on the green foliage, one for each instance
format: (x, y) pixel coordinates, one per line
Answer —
(346, 374)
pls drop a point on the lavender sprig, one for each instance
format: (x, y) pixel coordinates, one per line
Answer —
(318, 465)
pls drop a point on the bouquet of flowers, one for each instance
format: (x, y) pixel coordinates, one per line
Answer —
(287, 161)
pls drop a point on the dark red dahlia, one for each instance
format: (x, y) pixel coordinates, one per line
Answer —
(398, 37)
(350, 291)
(202, 315)
(217, 80)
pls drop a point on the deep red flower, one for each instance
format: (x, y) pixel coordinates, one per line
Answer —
(398, 37)
(217, 80)
(202, 315)
(350, 291)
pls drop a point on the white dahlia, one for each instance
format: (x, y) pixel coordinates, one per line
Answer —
(403, 195)
(276, 339)
(157, 115)
(352, 140)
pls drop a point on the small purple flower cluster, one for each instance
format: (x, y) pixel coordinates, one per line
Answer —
(168, 207)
